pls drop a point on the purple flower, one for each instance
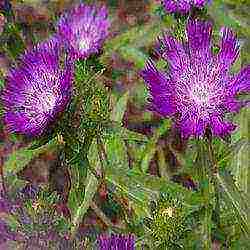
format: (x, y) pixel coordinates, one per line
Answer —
(84, 29)
(38, 89)
(198, 90)
(183, 6)
(5, 205)
(29, 192)
(6, 233)
(116, 242)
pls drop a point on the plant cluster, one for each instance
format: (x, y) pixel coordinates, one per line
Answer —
(175, 179)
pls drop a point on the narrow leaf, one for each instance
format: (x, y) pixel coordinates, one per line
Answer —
(91, 186)
(120, 108)
(20, 158)
(90, 190)
(236, 199)
(151, 146)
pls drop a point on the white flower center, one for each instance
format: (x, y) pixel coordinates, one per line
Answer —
(47, 101)
(84, 44)
(200, 95)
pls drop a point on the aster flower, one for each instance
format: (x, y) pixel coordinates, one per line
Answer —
(84, 29)
(182, 6)
(198, 90)
(38, 89)
(116, 242)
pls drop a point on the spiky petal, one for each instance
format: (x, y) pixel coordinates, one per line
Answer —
(183, 6)
(38, 89)
(198, 90)
(84, 29)
(124, 242)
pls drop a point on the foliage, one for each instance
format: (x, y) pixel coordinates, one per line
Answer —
(123, 162)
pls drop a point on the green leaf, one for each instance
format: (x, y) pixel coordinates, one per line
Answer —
(142, 188)
(139, 36)
(240, 159)
(14, 183)
(90, 190)
(228, 153)
(220, 14)
(21, 157)
(12, 221)
(203, 166)
(1, 83)
(120, 108)
(129, 135)
(128, 44)
(124, 133)
(116, 151)
(78, 172)
(151, 146)
(15, 44)
(91, 186)
(134, 55)
(235, 199)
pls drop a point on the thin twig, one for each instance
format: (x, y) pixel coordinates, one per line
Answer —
(2, 178)
(102, 148)
(103, 216)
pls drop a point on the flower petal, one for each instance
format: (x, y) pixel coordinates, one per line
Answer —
(84, 29)
(199, 3)
(229, 47)
(233, 105)
(38, 90)
(221, 128)
(160, 89)
(173, 52)
(191, 125)
(20, 123)
(199, 39)
(241, 82)
(182, 6)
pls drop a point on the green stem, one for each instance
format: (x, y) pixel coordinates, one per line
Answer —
(214, 171)
(90, 191)
(206, 190)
